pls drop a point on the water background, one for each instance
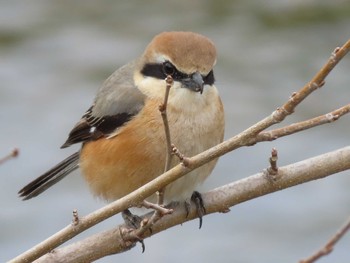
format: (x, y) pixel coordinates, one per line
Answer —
(55, 54)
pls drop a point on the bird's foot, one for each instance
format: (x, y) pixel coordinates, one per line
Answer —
(133, 223)
(136, 226)
(197, 199)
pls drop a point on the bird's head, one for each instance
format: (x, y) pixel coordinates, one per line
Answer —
(188, 57)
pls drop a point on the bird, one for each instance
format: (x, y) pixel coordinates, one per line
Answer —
(123, 143)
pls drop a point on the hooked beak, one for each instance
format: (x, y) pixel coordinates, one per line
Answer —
(195, 82)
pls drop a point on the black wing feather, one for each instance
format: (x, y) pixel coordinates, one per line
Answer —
(92, 128)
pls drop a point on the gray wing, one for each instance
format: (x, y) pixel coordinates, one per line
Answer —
(116, 102)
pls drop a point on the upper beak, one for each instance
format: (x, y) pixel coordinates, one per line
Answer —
(194, 82)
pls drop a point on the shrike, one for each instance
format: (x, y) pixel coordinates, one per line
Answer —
(122, 133)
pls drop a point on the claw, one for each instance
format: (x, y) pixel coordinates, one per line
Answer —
(133, 222)
(198, 201)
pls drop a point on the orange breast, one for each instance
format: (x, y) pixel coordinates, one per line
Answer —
(114, 167)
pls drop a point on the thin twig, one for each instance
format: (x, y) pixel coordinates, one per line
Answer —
(271, 173)
(183, 159)
(75, 220)
(273, 169)
(156, 207)
(316, 82)
(328, 248)
(245, 138)
(163, 110)
(303, 125)
(14, 153)
(168, 154)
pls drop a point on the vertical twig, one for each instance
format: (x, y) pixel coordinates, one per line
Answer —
(273, 169)
(75, 220)
(271, 172)
(163, 110)
(159, 210)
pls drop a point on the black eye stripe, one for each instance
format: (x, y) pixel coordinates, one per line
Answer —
(160, 71)
(209, 79)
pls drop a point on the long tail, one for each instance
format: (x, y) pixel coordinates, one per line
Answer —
(49, 178)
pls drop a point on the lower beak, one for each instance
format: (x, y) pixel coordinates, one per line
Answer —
(194, 82)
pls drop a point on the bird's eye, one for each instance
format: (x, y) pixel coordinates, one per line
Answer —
(168, 68)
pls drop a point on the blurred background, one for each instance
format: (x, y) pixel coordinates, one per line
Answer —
(54, 56)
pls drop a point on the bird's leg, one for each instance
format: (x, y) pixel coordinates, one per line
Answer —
(197, 199)
(133, 222)
(137, 226)
(159, 212)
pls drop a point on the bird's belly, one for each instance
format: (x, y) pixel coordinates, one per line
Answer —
(117, 166)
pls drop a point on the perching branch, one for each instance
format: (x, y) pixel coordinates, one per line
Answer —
(246, 138)
(218, 200)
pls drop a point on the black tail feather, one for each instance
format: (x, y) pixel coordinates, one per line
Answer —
(49, 178)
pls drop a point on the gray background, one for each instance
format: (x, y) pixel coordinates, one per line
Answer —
(54, 56)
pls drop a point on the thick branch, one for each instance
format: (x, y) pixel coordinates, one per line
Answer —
(217, 200)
